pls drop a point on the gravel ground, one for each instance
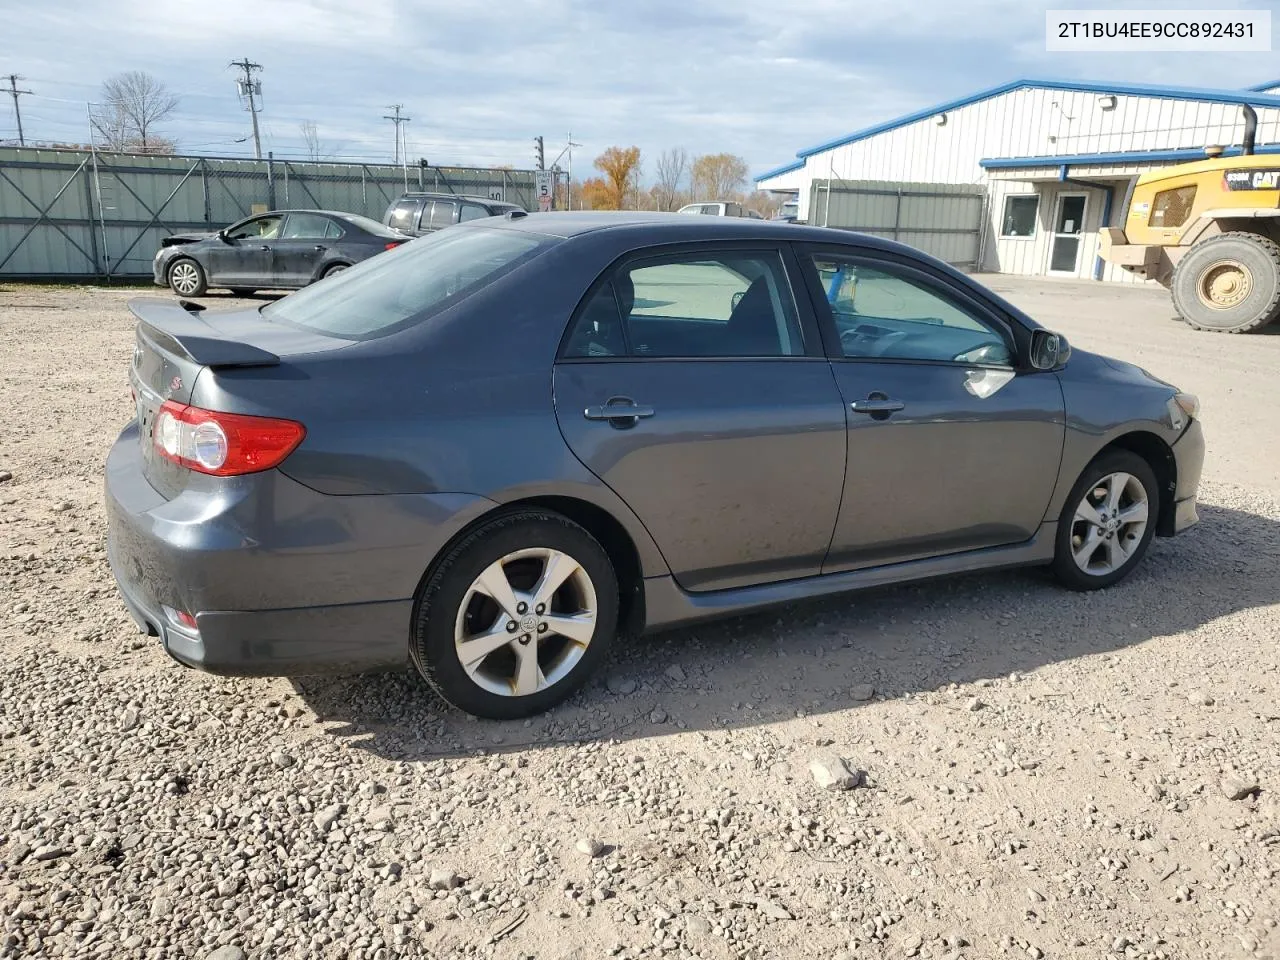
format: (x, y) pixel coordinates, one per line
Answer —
(982, 767)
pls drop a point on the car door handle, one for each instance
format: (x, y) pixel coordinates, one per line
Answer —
(318, 246)
(621, 412)
(877, 406)
(264, 247)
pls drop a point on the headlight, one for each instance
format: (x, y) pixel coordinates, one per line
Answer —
(1182, 407)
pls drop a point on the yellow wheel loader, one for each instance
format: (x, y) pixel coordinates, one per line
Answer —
(1209, 231)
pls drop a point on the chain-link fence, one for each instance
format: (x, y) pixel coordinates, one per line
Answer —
(77, 214)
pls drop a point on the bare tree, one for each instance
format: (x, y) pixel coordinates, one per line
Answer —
(717, 176)
(311, 137)
(135, 102)
(673, 166)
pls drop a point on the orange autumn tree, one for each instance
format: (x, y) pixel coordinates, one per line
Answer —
(619, 166)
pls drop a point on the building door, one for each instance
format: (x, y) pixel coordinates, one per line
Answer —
(1068, 222)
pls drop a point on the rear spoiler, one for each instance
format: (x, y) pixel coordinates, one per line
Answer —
(179, 328)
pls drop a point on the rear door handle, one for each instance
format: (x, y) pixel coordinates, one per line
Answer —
(318, 246)
(264, 247)
(621, 412)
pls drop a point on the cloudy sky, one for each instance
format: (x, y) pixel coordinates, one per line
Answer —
(481, 79)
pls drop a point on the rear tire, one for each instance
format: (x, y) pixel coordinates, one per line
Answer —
(336, 268)
(567, 629)
(1107, 523)
(186, 278)
(1229, 283)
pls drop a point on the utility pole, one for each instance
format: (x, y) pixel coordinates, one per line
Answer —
(539, 156)
(397, 119)
(17, 111)
(248, 88)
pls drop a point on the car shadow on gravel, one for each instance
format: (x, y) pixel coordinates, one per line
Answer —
(813, 657)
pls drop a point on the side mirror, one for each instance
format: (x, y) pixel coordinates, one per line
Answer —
(1049, 350)
(222, 235)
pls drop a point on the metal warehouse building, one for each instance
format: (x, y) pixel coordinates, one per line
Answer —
(1018, 178)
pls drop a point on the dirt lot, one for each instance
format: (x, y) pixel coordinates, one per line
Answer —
(1047, 774)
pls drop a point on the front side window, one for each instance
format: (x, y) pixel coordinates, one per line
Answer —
(307, 226)
(884, 312)
(731, 304)
(1171, 208)
(404, 215)
(472, 211)
(263, 228)
(404, 286)
(1019, 220)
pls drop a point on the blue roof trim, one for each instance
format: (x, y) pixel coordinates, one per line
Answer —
(1265, 86)
(778, 171)
(1122, 89)
(1132, 156)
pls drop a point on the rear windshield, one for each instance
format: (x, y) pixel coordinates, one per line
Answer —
(369, 225)
(404, 286)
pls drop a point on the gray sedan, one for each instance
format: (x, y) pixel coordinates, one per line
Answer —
(281, 250)
(495, 451)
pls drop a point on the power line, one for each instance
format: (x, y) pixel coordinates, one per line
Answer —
(248, 87)
(17, 111)
(397, 120)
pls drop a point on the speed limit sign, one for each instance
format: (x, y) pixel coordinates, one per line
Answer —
(546, 189)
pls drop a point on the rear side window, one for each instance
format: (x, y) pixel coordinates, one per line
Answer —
(403, 215)
(471, 211)
(306, 226)
(442, 213)
(1172, 207)
(406, 285)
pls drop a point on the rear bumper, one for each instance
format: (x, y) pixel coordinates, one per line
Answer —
(1188, 455)
(282, 580)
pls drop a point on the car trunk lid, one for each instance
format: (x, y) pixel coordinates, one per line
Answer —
(177, 342)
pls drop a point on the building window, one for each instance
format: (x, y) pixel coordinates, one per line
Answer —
(1172, 207)
(1019, 219)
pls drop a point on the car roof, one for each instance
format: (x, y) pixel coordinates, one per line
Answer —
(420, 194)
(648, 227)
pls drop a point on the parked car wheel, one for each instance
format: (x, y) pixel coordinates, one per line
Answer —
(186, 278)
(516, 616)
(330, 271)
(1108, 522)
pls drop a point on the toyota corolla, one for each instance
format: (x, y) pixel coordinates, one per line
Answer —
(494, 451)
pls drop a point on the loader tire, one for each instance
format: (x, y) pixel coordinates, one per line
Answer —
(1229, 283)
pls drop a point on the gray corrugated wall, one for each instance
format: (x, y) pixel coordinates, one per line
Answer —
(944, 220)
(102, 223)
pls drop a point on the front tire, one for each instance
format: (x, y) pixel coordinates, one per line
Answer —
(1107, 522)
(187, 278)
(516, 616)
(1229, 283)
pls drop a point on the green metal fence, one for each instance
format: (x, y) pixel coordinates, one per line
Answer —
(78, 215)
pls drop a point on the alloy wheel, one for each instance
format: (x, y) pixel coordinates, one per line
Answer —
(1109, 524)
(185, 277)
(525, 622)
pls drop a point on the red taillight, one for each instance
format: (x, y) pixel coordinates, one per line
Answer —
(223, 444)
(393, 244)
(186, 619)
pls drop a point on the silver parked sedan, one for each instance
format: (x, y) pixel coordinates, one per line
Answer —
(494, 451)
